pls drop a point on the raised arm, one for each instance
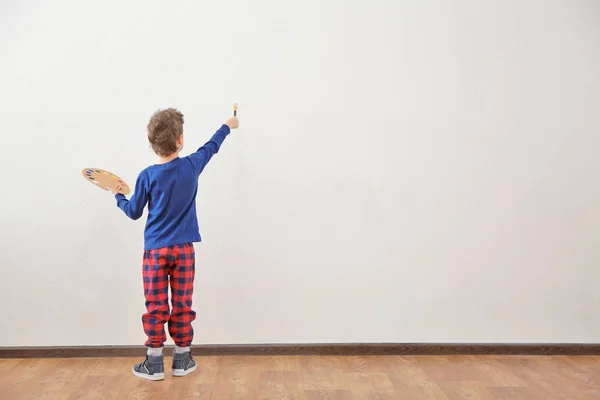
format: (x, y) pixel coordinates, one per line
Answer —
(203, 155)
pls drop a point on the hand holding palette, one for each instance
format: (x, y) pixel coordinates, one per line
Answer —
(104, 180)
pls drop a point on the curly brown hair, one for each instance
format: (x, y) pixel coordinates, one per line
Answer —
(164, 128)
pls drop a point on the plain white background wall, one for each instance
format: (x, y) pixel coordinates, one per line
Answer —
(405, 171)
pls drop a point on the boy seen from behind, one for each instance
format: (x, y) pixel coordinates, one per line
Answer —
(169, 190)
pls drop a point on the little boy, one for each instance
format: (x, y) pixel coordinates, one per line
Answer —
(169, 188)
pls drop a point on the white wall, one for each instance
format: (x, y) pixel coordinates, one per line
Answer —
(406, 171)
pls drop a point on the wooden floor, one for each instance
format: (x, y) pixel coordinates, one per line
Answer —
(310, 378)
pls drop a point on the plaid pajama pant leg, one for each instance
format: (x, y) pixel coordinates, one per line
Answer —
(174, 265)
(182, 289)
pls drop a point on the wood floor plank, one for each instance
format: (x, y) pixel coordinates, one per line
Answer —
(7, 364)
(182, 388)
(409, 379)
(206, 372)
(329, 395)
(371, 386)
(592, 394)
(536, 375)
(426, 392)
(63, 379)
(97, 387)
(466, 390)
(513, 393)
(236, 380)
(462, 369)
(114, 366)
(581, 375)
(277, 363)
(368, 364)
(275, 385)
(322, 373)
(22, 381)
(569, 381)
(404, 373)
(235, 362)
(141, 389)
(198, 385)
(497, 373)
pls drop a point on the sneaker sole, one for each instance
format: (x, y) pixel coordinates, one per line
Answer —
(155, 377)
(183, 372)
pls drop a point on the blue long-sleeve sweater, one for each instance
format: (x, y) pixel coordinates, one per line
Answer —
(170, 191)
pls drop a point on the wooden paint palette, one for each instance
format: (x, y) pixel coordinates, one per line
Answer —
(104, 179)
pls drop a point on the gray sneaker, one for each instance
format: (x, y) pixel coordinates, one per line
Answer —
(183, 363)
(152, 368)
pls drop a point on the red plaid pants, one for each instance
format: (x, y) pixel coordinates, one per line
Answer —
(172, 266)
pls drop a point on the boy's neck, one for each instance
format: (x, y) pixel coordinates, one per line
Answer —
(168, 159)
